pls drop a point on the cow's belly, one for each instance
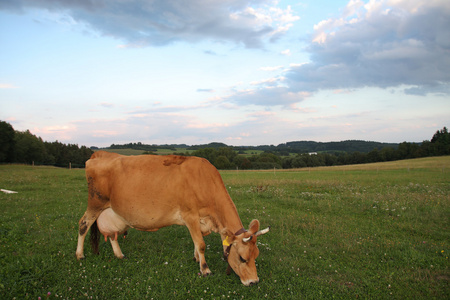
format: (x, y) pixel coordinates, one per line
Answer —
(148, 203)
(149, 217)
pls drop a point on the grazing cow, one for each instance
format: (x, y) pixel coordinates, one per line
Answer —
(149, 192)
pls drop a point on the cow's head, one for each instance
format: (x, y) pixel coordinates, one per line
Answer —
(241, 252)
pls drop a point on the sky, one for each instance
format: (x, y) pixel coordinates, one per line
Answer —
(240, 72)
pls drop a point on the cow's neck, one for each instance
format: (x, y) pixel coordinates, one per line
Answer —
(228, 216)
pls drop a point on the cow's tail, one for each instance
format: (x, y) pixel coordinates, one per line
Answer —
(95, 237)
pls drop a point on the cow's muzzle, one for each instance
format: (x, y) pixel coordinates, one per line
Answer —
(250, 282)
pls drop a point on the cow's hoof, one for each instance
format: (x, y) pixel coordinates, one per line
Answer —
(206, 274)
(79, 257)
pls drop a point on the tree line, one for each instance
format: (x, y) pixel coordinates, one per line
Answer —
(227, 158)
(24, 147)
(283, 149)
(144, 147)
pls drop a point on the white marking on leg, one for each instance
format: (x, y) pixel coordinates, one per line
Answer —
(116, 248)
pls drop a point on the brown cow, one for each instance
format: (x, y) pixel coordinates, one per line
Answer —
(150, 192)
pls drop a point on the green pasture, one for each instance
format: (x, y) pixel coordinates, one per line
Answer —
(252, 152)
(378, 231)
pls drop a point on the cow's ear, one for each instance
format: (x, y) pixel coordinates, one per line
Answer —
(254, 226)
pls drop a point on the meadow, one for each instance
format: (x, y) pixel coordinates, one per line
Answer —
(377, 231)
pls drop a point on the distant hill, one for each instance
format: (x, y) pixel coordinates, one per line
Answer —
(282, 149)
(214, 145)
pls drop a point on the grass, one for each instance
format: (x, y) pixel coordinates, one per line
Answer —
(377, 231)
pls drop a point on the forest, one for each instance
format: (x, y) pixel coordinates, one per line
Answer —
(227, 158)
(24, 147)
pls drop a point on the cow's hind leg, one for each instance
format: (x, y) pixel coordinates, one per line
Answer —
(85, 223)
(199, 245)
(116, 248)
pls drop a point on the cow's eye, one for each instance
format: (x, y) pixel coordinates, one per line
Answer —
(242, 259)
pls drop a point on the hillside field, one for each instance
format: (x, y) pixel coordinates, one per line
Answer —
(376, 231)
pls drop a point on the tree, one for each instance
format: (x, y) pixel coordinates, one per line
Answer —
(407, 150)
(287, 162)
(242, 162)
(441, 142)
(266, 160)
(269, 157)
(299, 162)
(228, 152)
(209, 153)
(222, 163)
(388, 154)
(61, 155)
(373, 156)
(29, 148)
(221, 158)
(7, 142)
(441, 136)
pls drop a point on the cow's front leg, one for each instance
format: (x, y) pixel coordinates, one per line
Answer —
(199, 246)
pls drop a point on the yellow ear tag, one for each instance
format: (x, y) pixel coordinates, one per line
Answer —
(225, 242)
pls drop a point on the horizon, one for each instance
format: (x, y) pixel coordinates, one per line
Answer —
(242, 72)
(260, 145)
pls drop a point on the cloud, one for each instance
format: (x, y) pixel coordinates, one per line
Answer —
(150, 128)
(7, 86)
(210, 52)
(266, 96)
(380, 44)
(268, 82)
(107, 104)
(203, 125)
(142, 23)
(158, 108)
(57, 132)
(173, 127)
(286, 52)
(205, 90)
(442, 89)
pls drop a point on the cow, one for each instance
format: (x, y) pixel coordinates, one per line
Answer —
(148, 192)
